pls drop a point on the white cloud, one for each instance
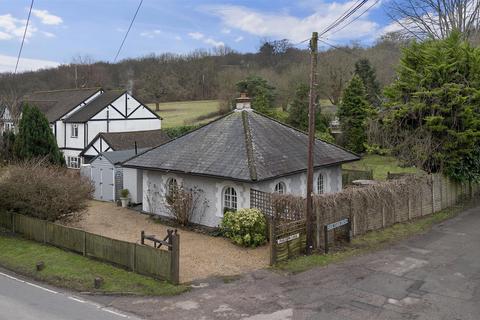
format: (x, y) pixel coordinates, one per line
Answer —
(238, 39)
(48, 34)
(284, 25)
(196, 35)
(11, 27)
(207, 40)
(46, 17)
(226, 30)
(178, 38)
(7, 64)
(151, 34)
(214, 42)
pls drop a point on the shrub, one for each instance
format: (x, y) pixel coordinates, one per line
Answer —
(44, 191)
(184, 203)
(124, 193)
(245, 227)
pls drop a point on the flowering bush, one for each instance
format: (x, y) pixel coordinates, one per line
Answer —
(245, 227)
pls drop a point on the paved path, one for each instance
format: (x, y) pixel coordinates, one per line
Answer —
(431, 276)
(25, 300)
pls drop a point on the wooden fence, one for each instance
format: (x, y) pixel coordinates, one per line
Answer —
(139, 258)
(430, 194)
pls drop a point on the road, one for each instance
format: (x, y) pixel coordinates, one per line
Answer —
(25, 300)
(435, 275)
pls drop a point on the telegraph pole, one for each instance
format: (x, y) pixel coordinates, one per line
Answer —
(311, 139)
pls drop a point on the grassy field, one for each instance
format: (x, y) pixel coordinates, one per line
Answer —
(73, 271)
(187, 112)
(370, 241)
(380, 165)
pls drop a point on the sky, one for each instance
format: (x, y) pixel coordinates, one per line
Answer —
(61, 30)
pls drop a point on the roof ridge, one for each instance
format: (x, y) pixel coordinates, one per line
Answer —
(249, 146)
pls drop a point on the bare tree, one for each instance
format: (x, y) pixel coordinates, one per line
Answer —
(436, 18)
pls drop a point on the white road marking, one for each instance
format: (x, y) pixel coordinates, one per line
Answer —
(41, 288)
(68, 297)
(76, 299)
(115, 313)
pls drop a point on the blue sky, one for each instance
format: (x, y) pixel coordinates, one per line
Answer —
(63, 29)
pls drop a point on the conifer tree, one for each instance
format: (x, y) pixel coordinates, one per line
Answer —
(35, 138)
(353, 112)
(366, 72)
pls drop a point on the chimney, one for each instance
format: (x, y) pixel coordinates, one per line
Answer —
(243, 102)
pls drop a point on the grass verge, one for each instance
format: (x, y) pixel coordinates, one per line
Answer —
(380, 165)
(369, 242)
(73, 271)
(187, 112)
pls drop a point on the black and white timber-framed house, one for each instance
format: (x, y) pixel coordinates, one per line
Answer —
(77, 116)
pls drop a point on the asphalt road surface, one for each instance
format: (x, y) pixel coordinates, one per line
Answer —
(25, 300)
(432, 276)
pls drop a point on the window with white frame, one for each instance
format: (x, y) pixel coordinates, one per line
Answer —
(170, 189)
(74, 130)
(320, 184)
(280, 188)
(73, 162)
(230, 199)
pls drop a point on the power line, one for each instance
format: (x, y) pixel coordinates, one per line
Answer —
(339, 48)
(356, 18)
(24, 35)
(344, 16)
(126, 34)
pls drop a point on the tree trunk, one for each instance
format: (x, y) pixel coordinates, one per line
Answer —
(157, 106)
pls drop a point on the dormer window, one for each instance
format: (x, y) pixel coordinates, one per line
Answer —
(74, 130)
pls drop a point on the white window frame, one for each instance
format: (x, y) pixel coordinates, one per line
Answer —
(230, 199)
(171, 186)
(280, 188)
(74, 162)
(321, 183)
(74, 131)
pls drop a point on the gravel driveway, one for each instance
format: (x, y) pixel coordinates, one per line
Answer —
(201, 256)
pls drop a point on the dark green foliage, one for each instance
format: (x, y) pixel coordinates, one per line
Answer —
(353, 112)
(366, 72)
(434, 107)
(262, 94)
(35, 138)
(176, 132)
(298, 113)
(6, 146)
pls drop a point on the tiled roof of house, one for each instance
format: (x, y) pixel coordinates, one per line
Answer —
(55, 104)
(126, 140)
(243, 146)
(94, 107)
(116, 157)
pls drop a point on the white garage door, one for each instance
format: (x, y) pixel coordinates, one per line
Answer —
(104, 181)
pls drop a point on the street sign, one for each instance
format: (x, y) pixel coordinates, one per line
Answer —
(337, 224)
(289, 238)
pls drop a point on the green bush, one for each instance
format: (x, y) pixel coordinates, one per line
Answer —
(245, 227)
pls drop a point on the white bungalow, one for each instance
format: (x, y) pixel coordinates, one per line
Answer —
(227, 159)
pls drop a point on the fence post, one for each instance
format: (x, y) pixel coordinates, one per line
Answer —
(319, 228)
(273, 243)
(45, 232)
(383, 215)
(175, 262)
(13, 222)
(134, 257)
(433, 193)
(84, 244)
(409, 206)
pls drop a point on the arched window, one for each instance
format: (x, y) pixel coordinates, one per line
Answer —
(229, 199)
(171, 187)
(320, 184)
(280, 188)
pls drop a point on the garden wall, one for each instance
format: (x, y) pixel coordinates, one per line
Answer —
(142, 259)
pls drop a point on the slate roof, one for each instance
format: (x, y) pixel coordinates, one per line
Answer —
(126, 140)
(55, 104)
(116, 157)
(94, 107)
(243, 146)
